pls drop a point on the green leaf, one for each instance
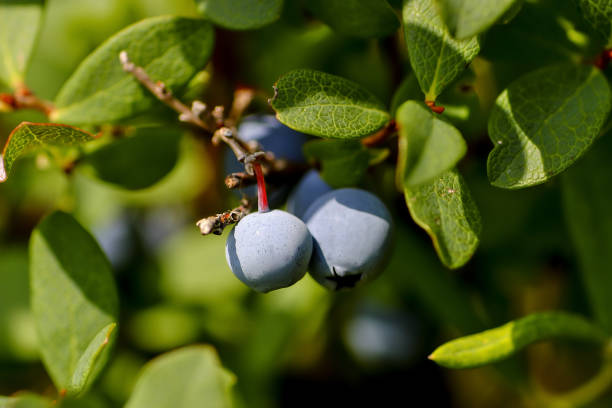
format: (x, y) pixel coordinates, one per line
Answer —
(25, 400)
(29, 136)
(445, 209)
(18, 32)
(544, 121)
(428, 146)
(407, 90)
(359, 18)
(326, 105)
(170, 49)
(137, 161)
(74, 301)
(437, 59)
(343, 162)
(497, 344)
(241, 14)
(185, 378)
(599, 14)
(466, 18)
(587, 200)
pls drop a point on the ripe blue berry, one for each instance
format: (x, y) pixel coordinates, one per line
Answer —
(310, 187)
(269, 250)
(352, 231)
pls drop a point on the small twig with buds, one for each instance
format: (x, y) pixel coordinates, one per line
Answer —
(161, 91)
(216, 223)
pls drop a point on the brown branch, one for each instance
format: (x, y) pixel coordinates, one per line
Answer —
(23, 98)
(161, 91)
(216, 223)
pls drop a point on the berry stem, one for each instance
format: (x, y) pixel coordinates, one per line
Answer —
(262, 196)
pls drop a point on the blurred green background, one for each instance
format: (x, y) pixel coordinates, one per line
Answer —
(302, 345)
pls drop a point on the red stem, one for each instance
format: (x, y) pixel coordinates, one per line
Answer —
(262, 197)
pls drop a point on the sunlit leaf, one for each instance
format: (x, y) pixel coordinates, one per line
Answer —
(497, 344)
(466, 18)
(437, 59)
(170, 49)
(428, 146)
(29, 136)
(74, 301)
(544, 121)
(18, 31)
(326, 105)
(445, 209)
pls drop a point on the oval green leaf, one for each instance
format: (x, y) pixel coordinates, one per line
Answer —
(74, 301)
(599, 14)
(241, 14)
(326, 105)
(185, 378)
(358, 18)
(444, 208)
(137, 161)
(437, 59)
(497, 344)
(343, 162)
(29, 136)
(18, 31)
(428, 146)
(544, 121)
(466, 18)
(587, 200)
(170, 49)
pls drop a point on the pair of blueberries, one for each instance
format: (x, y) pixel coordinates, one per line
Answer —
(342, 237)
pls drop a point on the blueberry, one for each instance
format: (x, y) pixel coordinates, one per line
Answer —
(352, 231)
(269, 250)
(310, 187)
(274, 137)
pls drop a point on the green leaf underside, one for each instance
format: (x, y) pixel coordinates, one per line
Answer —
(445, 209)
(170, 49)
(138, 161)
(543, 122)
(343, 162)
(599, 14)
(428, 146)
(185, 378)
(359, 18)
(18, 31)
(587, 199)
(501, 342)
(241, 14)
(437, 59)
(326, 105)
(466, 18)
(25, 400)
(29, 136)
(74, 301)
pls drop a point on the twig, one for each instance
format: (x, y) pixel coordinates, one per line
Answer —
(224, 131)
(161, 91)
(23, 98)
(242, 99)
(216, 223)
